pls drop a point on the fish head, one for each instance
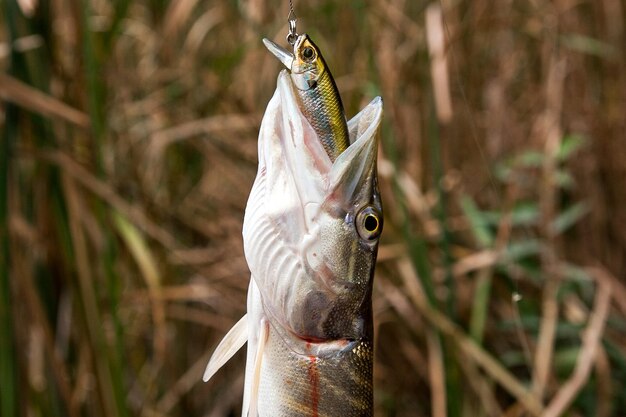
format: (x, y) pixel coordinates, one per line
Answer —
(312, 226)
(306, 64)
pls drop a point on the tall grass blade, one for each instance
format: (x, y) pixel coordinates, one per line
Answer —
(8, 353)
(8, 359)
(111, 402)
(94, 54)
(147, 264)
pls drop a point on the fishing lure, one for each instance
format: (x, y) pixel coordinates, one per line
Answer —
(317, 93)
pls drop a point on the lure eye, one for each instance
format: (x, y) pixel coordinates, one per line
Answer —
(369, 223)
(308, 54)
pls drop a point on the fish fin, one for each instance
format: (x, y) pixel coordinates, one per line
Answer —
(258, 361)
(230, 344)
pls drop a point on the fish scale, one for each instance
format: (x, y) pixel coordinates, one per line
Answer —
(323, 108)
(301, 385)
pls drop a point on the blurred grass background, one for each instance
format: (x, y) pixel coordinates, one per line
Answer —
(128, 149)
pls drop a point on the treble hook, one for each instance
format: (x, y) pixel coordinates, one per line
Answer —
(291, 18)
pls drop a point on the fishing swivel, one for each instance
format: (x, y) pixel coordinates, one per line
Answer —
(291, 18)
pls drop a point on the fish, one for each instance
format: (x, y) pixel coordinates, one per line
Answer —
(317, 93)
(310, 235)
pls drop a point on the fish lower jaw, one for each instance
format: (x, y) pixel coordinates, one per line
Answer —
(316, 340)
(321, 348)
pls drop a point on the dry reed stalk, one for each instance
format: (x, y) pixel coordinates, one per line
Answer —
(617, 286)
(105, 192)
(92, 318)
(34, 100)
(22, 44)
(591, 338)
(229, 400)
(185, 292)
(183, 385)
(605, 390)
(417, 202)
(482, 387)
(475, 261)
(550, 128)
(613, 13)
(196, 315)
(233, 123)
(176, 16)
(201, 29)
(85, 381)
(437, 374)
(482, 358)
(390, 252)
(438, 63)
(27, 292)
(57, 363)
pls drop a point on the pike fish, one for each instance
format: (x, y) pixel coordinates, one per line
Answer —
(310, 233)
(316, 92)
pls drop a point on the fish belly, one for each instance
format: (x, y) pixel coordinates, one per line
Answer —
(300, 385)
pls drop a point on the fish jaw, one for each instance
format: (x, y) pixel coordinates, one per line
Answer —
(353, 175)
(279, 52)
(312, 269)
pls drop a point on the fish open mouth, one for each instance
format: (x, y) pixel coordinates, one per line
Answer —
(298, 183)
(357, 161)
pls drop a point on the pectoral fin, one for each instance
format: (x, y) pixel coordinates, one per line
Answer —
(256, 379)
(230, 344)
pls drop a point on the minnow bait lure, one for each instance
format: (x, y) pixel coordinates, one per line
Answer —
(316, 92)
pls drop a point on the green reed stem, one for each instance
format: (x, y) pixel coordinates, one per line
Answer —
(94, 54)
(8, 354)
(480, 305)
(445, 238)
(8, 358)
(454, 388)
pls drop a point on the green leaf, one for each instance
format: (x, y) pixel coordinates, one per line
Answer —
(575, 273)
(522, 249)
(526, 214)
(530, 159)
(569, 145)
(588, 45)
(569, 217)
(564, 179)
(503, 171)
(478, 221)
(565, 359)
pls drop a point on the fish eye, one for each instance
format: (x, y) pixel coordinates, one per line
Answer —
(369, 223)
(308, 53)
